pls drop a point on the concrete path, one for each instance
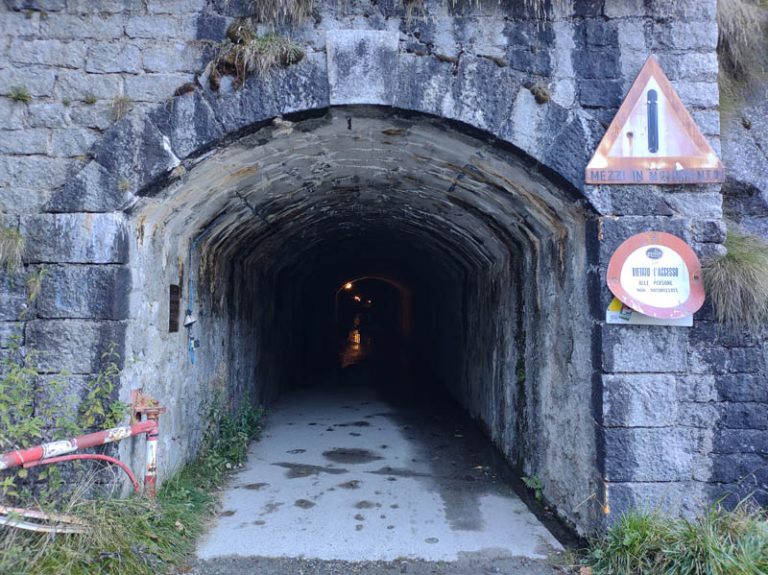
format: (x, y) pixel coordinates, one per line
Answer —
(341, 475)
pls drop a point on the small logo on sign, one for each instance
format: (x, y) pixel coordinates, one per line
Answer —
(654, 253)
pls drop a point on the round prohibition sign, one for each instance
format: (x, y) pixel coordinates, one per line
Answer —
(657, 274)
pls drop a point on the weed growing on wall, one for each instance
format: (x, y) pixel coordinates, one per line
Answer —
(32, 411)
(737, 283)
(742, 48)
(244, 53)
(100, 409)
(12, 246)
(19, 94)
(279, 11)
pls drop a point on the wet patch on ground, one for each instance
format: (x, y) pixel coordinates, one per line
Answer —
(353, 424)
(255, 486)
(227, 513)
(304, 503)
(354, 484)
(366, 505)
(399, 472)
(298, 470)
(351, 455)
(271, 508)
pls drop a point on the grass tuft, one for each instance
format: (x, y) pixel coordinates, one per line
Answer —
(120, 107)
(279, 11)
(742, 48)
(737, 283)
(19, 94)
(12, 245)
(719, 542)
(249, 53)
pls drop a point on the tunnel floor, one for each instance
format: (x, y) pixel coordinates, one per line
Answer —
(343, 474)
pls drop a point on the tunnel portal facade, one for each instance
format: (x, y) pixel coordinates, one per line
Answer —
(454, 177)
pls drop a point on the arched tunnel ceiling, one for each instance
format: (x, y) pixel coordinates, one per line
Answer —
(356, 182)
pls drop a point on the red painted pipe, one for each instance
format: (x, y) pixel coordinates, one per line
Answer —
(96, 456)
(57, 448)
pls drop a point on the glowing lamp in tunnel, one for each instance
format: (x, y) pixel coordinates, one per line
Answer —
(357, 298)
(348, 285)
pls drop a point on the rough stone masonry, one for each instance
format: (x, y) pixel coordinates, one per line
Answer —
(445, 140)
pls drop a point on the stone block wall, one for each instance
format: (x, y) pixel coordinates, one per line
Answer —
(676, 411)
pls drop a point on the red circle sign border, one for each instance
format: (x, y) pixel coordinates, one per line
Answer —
(695, 298)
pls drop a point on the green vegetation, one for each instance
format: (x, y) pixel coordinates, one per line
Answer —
(25, 415)
(34, 283)
(139, 536)
(19, 94)
(244, 53)
(12, 246)
(718, 543)
(536, 485)
(89, 99)
(737, 283)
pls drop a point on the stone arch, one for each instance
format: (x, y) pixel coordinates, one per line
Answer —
(496, 252)
(533, 220)
(142, 153)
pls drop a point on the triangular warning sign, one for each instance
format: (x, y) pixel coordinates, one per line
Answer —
(653, 139)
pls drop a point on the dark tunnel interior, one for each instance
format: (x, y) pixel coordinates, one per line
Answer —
(467, 261)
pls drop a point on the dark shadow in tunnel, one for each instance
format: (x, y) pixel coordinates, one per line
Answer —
(491, 253)
(366, 341)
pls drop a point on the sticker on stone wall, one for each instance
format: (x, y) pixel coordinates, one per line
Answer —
(658, 275)
(653, 139)
(621, 314)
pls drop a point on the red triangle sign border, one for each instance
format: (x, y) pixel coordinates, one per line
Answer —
(667, 127)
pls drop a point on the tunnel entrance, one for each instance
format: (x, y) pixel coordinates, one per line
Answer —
(468, 262)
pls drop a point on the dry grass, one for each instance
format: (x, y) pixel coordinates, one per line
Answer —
(742, 47)
(120, 107)
(279, 11)
(742, 25)
(245, 53)
(12, 246)
(737, 283)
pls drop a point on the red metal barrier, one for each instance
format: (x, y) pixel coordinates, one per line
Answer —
(96, 456)
(56, 451)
